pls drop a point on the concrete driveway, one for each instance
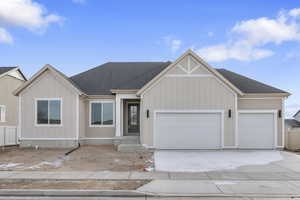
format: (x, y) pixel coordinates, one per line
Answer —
(227, 161)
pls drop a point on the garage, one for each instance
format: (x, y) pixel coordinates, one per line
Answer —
(257, 129)
(188, 130)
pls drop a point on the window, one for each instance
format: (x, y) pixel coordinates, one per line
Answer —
(101, 113)
(2, 113)
(48, 112)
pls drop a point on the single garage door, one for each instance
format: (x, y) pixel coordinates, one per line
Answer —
(184, 130)
(256, 130)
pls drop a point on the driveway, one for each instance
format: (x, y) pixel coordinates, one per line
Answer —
(227, 161)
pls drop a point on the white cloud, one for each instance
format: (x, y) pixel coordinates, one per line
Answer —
(26, 13)
(5, 37)
(248, 37)
(294, 12)
(79, 1)
(173, 44)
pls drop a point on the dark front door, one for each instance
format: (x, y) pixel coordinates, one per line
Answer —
(133, 119)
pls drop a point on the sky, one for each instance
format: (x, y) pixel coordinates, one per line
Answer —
(258, 39)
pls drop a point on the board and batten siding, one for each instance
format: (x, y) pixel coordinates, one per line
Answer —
(96, 132)
(7, 86)
(188, 93)
(264, 104)
(48, 86)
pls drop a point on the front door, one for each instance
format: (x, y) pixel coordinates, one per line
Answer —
(133, 119)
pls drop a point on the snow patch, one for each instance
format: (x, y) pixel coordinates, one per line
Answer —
(9, 165)
(56, 163)
(202, 161)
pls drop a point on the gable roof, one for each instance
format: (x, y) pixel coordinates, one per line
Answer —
(40, 72)
(6, 69)
(117, 75)
(248, 85)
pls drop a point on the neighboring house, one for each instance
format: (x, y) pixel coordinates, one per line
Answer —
(186, 104)
(10, 79)
(292, 132)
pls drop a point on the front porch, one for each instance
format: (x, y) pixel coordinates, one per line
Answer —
(127, 117)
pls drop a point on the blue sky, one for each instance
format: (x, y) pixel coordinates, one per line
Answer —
(259, 41)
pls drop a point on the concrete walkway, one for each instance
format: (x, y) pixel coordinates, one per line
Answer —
(222, 188)
(107, 175)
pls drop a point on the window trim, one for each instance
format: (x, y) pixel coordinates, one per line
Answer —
(4, 116)
(90, 113)
(61, 112)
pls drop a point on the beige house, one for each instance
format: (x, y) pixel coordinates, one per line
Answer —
(10, 79)
(185, 104)
(292, 132)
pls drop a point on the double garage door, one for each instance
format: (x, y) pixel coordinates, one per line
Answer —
(204, 130)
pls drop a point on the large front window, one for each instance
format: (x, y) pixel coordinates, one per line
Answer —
(102, 113)
(48, 112)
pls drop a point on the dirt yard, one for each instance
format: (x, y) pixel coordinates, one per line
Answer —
(71, 185)
(86, 158)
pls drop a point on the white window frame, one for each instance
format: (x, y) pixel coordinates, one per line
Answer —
(90, 113)
(61, 112)
(2, 117)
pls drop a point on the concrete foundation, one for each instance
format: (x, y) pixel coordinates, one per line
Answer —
(48, 143)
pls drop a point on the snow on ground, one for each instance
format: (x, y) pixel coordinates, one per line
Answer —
(55, 163)
(202, 161)
(9, 165)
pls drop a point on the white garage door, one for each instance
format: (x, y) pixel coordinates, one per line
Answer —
(256, 130)
(175, 130)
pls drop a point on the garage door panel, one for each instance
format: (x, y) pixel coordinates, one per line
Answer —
(256, 130)
(188, 130)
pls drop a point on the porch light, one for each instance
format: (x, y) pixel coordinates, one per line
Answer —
(229, 113)
(148, 113)
(279, 113)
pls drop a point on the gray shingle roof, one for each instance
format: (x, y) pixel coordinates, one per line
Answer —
(5, 69)
(134, 75)
(246, 84)
(117, 75)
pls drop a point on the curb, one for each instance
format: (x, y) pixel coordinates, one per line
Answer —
(72, 193)
(126, 193)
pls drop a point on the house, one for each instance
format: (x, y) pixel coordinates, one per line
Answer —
(186, 104)
(10, 79)
(292, 132)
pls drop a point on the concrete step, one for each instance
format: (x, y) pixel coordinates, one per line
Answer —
(131, 148)
(126, 140)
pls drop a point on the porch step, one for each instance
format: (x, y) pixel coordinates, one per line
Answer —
(126, 140)
(131, 148)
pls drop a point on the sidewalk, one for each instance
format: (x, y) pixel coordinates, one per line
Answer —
(109, 175)
(222, 188)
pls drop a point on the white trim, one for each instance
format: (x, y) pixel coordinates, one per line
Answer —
(236, 132)
(182, 68)
(189, 111)
(61, 112)
(20, 117)
(48, 138)
(127, 96)
(77, 117)
(275, 116)
(2, 114)
(189, 75)
(102, 101)
(283, 123)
